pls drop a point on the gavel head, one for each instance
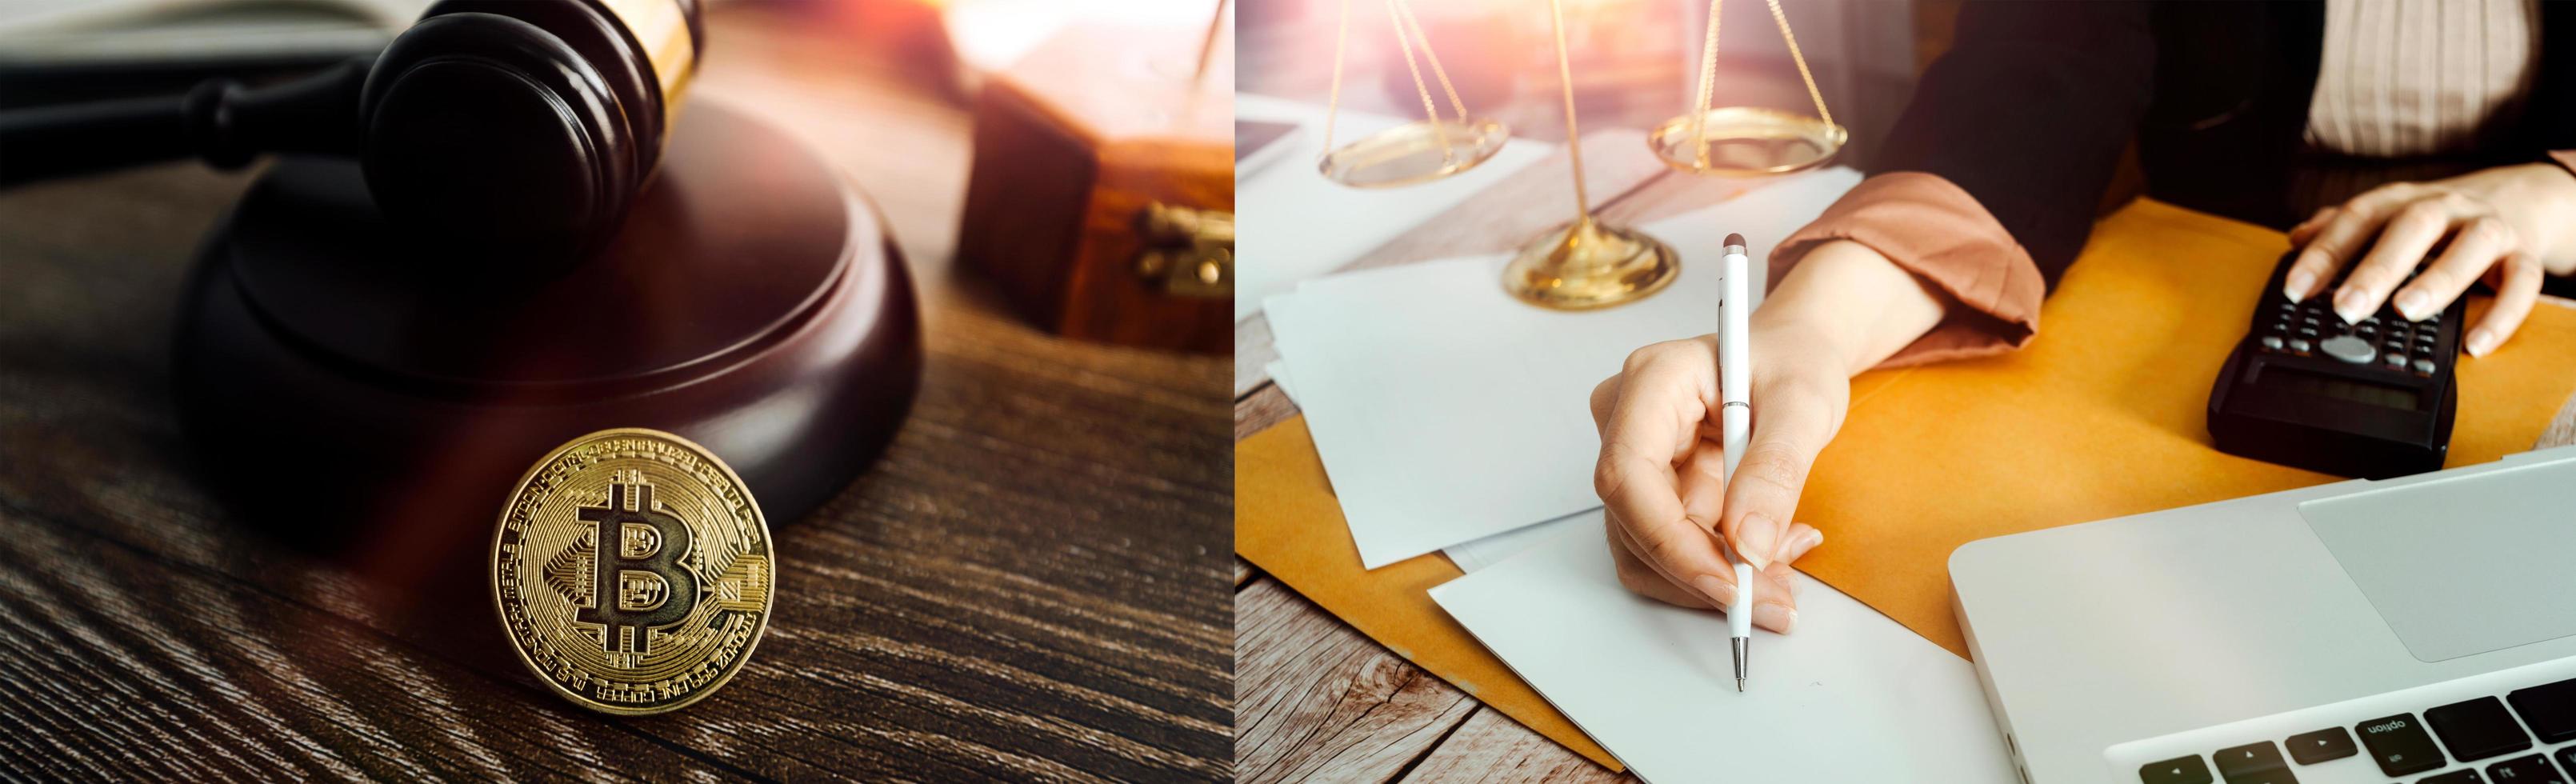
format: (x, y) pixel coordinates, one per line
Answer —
(522, 129)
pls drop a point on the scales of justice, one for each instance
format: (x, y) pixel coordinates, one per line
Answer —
(1586, 263)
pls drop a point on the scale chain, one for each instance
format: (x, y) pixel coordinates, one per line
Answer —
(1433, 55)
(1707, 83)
(1395, 15)
(1333, 105)
(1821, 112)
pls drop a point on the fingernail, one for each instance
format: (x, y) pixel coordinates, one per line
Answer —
(2296, 288)
(2351, 306)
(1774, 617)
(1718, 591)
(1757, 538)
(2481, 341)
(1796, 586)
(2411, 304)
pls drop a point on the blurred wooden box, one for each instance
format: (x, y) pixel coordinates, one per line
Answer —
(1102, 197)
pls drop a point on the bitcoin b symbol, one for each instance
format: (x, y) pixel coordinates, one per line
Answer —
(641, 584)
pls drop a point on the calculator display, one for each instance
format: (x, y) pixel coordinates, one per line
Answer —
(2343, 388)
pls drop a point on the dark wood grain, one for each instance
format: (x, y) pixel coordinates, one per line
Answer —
(1031, 584)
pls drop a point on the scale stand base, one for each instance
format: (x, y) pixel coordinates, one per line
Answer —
(1587, 265)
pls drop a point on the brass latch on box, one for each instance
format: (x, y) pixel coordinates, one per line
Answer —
(1190, 250)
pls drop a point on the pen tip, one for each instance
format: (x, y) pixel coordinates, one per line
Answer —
(1739, 685)
(1735, 239)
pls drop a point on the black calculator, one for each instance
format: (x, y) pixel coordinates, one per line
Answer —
(2304, 389)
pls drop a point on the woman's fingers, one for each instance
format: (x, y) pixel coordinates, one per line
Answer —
(1702, 478)
(1653, 424)
(2403, 243)
(2307, 229)
(2479, 245)
(2336, 241)
(1643, 579)
(1787, 432)
(2516, 289)
(1802, 538)
(1604, 396)
(1774, 595)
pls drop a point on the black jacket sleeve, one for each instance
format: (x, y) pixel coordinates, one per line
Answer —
(2028, 112)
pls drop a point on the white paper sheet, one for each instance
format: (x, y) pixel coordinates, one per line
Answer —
(1476, 555)
(1446, 411)
(1292, 224)
(1850, 696)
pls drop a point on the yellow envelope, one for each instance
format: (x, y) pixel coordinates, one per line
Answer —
(2104, 415)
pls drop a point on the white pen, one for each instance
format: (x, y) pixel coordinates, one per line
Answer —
(1735, 416)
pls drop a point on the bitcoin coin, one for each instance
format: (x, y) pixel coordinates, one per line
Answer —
(633, 571)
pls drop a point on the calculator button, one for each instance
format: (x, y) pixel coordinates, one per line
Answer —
(2272, 342)
(2349, 349)
(2534, 769)
(2468, 776)
(2310, 748)
(2399, 745)
(2477, 729)
(2307, 332)
(2179, 770)
(2423, 366)
(2299, 345)
(2549, 708)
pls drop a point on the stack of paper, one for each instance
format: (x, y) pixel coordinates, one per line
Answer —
(1851, 696)
(1446, 411)
(1307, 225)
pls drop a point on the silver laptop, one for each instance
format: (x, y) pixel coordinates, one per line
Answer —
(2412, 629)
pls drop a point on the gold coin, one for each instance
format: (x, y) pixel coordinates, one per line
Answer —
(632, 570)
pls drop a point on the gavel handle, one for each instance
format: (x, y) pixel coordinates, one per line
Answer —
(219, 121)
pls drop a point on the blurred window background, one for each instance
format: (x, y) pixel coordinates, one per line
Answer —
(1635, 62)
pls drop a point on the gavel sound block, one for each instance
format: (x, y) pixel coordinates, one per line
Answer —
(340, 384)
(1102, 198)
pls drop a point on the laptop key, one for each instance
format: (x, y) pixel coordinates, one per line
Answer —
(2251, 763)
(2477, 729)
(2534, 769)
(2310, 748)
(2567, 758)
(2463, 776)
(2179, 770)
(2399, 745)
(2549, 708)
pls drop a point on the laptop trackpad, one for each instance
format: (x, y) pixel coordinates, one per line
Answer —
(2463, 566)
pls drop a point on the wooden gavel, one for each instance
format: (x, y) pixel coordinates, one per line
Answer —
(519, 130)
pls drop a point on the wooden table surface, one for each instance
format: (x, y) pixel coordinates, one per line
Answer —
(1031, 584)
(1357, 711)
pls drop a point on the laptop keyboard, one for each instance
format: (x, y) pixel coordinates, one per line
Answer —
(2510, 739)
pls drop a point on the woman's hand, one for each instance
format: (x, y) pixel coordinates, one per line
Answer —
(1842, 310)
(2504, 225)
